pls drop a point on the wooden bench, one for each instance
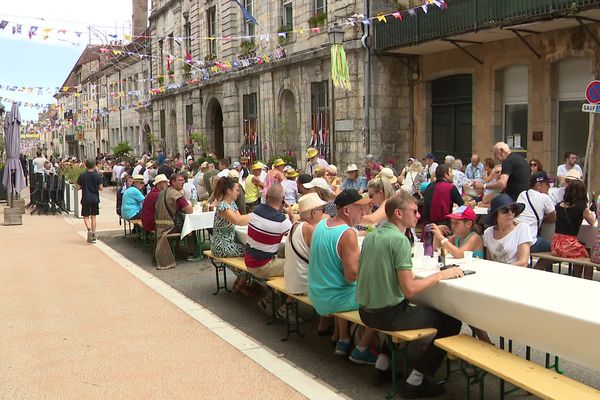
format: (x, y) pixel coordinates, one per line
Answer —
(585, 261)
(527, 375)
(394, 338)
(222, 263)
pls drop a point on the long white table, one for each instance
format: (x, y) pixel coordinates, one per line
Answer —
(197, 221)
(550, 312)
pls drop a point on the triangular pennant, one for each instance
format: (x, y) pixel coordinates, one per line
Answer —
(381, 18)
(397, 15)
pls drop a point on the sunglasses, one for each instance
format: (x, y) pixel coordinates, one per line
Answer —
(532, 164)
(506, 210)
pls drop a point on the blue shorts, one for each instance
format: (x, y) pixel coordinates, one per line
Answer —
(541, 246)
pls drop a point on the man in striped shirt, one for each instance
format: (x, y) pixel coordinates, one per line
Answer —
(268, 224)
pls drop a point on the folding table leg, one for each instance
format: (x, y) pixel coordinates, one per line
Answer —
(220, 268)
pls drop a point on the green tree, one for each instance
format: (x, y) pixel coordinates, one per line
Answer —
(122, 149)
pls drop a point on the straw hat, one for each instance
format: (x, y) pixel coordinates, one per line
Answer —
(573, 175)
(149, 164)
(310, 201)
(234, 174)
(160, 178)
(311, 152)
(255, 167)
(332, 168)
(278, 162)
(138, 178)
(291, 173)
(352, 168)
(389, 174)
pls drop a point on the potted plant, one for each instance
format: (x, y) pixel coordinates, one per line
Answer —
(317, 20)
(161, 80)
(247, 46)
(122, 149)
(187, 70)
(283, 40)
(201, 140)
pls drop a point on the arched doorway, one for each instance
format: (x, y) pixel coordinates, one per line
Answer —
(148, 139)
(288, 124)
(172, 134)
(214, 125)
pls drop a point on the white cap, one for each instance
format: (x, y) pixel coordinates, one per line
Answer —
(310, 201)
(317, 182)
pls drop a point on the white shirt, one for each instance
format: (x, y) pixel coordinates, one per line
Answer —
(558, 195)
(223, 173)
(320, 163)
(137, 169)
(543, 206)
(290, 188)
(505, 250)
(432, 169)
(117, 171)
(189, 190)
(295, 269)
(562, 169)
(38, 164)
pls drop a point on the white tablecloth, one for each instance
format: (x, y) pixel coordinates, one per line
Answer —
(550, 312)
(197, 221)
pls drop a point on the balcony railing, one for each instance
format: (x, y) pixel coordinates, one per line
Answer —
(463, 16)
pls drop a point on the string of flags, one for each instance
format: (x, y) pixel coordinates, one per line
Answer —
(34, 31)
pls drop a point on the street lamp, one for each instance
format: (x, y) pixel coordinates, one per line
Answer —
(335, 33)
(336, 39)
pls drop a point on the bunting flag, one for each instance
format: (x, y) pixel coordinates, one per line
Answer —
(339, 67)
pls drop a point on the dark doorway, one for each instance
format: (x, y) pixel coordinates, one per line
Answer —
(452, 116)
(215, 125)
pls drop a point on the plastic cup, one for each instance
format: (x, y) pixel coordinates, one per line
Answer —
(468, 256)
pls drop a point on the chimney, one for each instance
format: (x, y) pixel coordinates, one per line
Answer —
(140, 16)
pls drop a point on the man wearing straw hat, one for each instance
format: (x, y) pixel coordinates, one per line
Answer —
(253, 186)
(133, 199)
(314, 161)
(148, 214)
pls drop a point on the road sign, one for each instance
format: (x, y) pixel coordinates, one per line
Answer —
(592, 92)
(590, 108)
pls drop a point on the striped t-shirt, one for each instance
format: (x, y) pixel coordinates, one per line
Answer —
(265, 231)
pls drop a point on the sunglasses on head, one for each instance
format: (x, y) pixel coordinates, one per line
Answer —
(512, 209)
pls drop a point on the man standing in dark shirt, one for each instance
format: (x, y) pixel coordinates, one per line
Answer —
(515, 173)
(90, 183)
(166, 169)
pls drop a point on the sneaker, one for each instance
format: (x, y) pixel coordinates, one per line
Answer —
(342, 348)
(89, 237)
(266, 306)
(424, 390)
(363, 357)
(93, 237)
(291, 313)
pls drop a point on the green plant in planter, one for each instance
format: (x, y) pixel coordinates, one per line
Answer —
(247, 46)
(316, 20)
(210, 57)
(72, 173)
(122, 149)
(187, 68)
(284, 39)
(161, 80)
(201, 140)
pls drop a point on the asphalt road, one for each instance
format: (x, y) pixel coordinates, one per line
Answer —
(312, 353)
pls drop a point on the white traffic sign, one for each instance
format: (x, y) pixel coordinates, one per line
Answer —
(590, 108)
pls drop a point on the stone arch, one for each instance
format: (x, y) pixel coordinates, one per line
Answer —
(288, 118)
(214, 127)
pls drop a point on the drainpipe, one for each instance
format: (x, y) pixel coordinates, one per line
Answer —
(367, 73)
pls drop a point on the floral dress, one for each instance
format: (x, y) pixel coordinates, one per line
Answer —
(224, 242)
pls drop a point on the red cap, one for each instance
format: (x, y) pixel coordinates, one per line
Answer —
(463, 212)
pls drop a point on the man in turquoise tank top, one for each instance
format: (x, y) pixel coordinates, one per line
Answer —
(333, 267)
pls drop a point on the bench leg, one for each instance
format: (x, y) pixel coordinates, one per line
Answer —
(223, 269)
(476, 377)
(555, 365)
(293, 306)
(401, 352)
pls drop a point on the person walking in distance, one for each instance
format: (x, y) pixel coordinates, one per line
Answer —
(90, 183)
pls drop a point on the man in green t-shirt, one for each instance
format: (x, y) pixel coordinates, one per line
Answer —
(385, 283)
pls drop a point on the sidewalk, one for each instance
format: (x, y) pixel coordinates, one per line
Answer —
(75, 324)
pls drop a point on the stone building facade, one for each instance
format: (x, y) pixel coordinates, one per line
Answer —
(275, 107)
(516, 73)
